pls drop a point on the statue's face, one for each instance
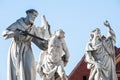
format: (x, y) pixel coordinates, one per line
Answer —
(97, 33)
(31, 17)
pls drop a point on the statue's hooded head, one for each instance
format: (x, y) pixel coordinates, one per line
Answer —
(60, 33)
(95, 33)
(31, 15)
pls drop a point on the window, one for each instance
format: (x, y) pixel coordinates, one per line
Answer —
(84, 78)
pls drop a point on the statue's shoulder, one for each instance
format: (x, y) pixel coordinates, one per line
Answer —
(19, 21)
(15, 24)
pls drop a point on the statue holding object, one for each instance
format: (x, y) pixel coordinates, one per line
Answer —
(100, 55)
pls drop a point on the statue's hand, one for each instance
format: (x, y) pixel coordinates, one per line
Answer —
(97, 65)
(107, 24)
(7, 34)
(20, 32)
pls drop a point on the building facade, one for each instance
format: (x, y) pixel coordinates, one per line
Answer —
(80, 72)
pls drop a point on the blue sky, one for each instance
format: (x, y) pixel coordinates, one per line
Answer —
(76, 17)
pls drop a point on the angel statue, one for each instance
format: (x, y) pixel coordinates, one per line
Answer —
(52, 62)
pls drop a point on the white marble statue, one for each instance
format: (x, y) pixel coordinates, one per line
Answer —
(52, 62)
(45, 34)
(21, 62)
(100, 55)
(44, 29)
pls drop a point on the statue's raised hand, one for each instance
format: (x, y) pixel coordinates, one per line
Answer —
(107, 24)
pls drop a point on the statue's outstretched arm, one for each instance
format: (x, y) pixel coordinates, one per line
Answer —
(107, 24)
(110, 31)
